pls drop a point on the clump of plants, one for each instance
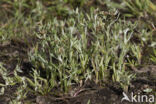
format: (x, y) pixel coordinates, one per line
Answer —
(73, 46)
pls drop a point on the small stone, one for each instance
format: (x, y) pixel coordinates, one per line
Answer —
(40, 100)
(5, 43)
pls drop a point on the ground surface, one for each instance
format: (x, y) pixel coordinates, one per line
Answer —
(109, 93)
